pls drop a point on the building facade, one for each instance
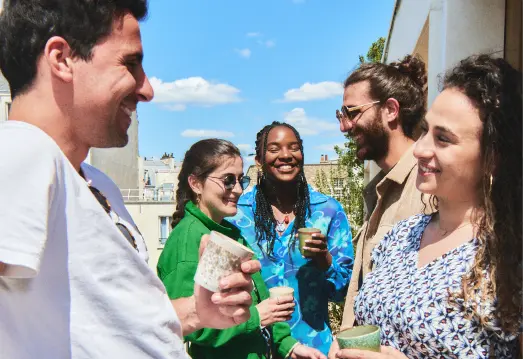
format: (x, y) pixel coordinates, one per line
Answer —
(5, 98)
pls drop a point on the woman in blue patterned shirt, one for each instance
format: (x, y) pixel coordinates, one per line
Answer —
(269, 217)
(449, 285)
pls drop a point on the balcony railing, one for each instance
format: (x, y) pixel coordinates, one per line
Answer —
(148, 195)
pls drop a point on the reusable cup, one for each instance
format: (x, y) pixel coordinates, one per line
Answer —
(282, 291)
(364, 337)
(303, 235)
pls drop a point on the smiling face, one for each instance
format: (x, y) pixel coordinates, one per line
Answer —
(108, 87)
(216, 201)
(283, 158)
(448, 150)
(367, 129)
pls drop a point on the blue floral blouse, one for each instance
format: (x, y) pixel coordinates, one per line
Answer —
(411, 305)
(313, 288)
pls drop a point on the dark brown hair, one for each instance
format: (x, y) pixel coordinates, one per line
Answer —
(405, 81)
(495, 89)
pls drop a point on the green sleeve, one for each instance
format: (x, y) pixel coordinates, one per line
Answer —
(283, 339)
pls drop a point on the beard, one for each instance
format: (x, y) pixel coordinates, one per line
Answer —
(373, 140)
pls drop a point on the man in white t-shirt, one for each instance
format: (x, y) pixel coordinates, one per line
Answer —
(71, 284)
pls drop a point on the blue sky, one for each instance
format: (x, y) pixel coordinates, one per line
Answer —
(227, 68)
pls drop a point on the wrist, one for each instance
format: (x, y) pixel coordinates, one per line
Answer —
(324, 262)
(187, 314)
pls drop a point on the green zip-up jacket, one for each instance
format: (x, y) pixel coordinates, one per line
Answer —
(176, 268)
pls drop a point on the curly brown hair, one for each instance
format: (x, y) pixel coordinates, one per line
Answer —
(495, 89)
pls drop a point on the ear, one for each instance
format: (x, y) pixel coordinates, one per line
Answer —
(195, 184)
(58, 55)
(391, 109)
(257, 162)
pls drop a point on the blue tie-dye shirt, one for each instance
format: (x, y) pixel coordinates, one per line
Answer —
(313, 287)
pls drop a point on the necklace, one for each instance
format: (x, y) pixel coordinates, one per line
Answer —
(282, 225)
(444, 232)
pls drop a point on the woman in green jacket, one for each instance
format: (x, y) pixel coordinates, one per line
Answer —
(210, 182)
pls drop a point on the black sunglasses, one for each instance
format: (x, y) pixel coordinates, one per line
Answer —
(230, 181)
(107, 207)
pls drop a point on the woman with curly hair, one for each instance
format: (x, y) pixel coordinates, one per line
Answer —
(269, 217)
(449, 285)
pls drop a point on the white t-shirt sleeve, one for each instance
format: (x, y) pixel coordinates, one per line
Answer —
(28, 181)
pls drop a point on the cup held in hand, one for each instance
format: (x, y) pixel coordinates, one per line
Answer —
(364, 337)
(222, 257)
(283, 291)
(305, 234)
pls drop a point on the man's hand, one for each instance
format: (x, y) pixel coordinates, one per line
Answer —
(301, 351)
(320, 255)
(275, 310)
(230, 306)
(385, 353)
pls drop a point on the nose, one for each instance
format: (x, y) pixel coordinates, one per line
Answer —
(285, 153)
(145, 91)
(237, 189)
(423, 147)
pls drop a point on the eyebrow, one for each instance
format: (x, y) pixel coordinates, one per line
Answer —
(444, 129)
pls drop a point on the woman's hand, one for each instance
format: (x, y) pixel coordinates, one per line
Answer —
(385, 353)
(301, 351)
(320, 255)
(275, 310)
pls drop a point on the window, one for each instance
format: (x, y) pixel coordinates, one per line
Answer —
(165, 228)
(338, 188)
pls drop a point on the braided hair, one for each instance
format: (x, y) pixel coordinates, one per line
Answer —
(264, 218)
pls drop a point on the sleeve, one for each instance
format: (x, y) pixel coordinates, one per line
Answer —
(179, 283)
(341, 249)
(282, 338)
(28, 184)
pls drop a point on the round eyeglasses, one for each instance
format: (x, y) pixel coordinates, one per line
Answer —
(230, 181)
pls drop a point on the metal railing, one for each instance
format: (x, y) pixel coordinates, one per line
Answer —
(148, 195)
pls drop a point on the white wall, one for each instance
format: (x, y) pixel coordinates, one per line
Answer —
(4, 100)
(460, 28)
(146, 216)
(408, 24)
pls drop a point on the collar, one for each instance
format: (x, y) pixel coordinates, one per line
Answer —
(225, 227)
(403, 168)
(248, 198)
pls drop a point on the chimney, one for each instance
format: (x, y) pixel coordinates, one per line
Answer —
(326, 158)
(321, 158)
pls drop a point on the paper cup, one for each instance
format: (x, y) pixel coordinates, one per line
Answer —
(221, 257)
(303, 235)
(364, 337)
(276, 292)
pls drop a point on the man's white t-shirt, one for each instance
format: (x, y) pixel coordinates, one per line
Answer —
(74, 286)
(111, 192)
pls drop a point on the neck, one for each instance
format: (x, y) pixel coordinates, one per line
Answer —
(452, 214)
(217, 218)
(282, 195)
(42, 112)
(398, 144)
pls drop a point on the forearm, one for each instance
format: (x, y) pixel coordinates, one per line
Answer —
(186, 311)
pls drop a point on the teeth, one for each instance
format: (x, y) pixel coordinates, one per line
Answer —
(426, 169)
(126, 110)
(285, 167)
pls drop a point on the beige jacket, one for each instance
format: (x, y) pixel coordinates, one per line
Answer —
(388, 198)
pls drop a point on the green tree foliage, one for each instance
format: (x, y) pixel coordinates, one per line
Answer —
(375, 51)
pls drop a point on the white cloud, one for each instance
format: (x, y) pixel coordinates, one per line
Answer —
(245, 148)
(245, 53)
(316, 91)
(329, 146)
(195, 91)
(253, 34)
(308, 125)
(267, 43)
(207, 133)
